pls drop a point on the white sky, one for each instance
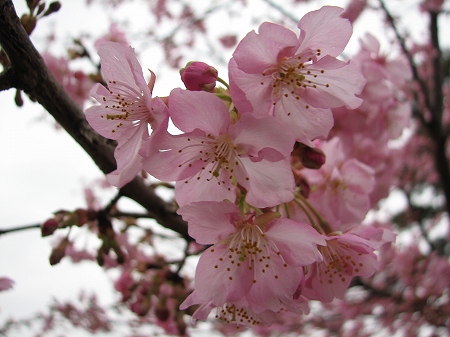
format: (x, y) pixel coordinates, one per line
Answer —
(42, 171)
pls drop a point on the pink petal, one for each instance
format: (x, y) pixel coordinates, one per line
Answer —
(209, 221)
(255, 134)
(127, 156)
(192, 110)
(268, 184)
(324, 29)
(119, 63)
(173, 158)
(275, 284)
(247, 92)
(256, 52)
(337, 86)
(307, 123)
(96, 115)
(296, 241)
(203, 190)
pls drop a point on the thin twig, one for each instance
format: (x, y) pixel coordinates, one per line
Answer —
(19, 228)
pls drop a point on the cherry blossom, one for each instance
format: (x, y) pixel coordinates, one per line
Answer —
(340, 189)
(213, 155)
(6, 283)
(297, 79)
(126, 109)
(346, 255)
(76, 83)
(256, 261)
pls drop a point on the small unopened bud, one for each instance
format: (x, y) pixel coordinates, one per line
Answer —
(18, 98)
(162, 313)
(80, 217)
(313, 157)
(301, 183)
(199, 76)
(32, 4)
(28, 22)
(58, 252)
(41, 8)
(49, 227)
(53, 8)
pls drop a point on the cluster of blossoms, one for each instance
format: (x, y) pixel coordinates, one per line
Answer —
(251, 180)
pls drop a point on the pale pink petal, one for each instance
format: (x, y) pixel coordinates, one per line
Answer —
(275, 284)
(358, 176)
(296, 241)
(127, 156)
(337, 86)
(324, 29)
(306, 121)
(209, 222)
(97, 117)
(272, 43)
(119, 63)
(192, 190)
(218, 283)
(192, 110)
(250, 92)
(255, 134)
(174, 158)
(268, 184)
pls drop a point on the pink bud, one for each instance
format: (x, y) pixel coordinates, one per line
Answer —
(58, 252)
(162, 313)
(49, 227)
(6, 283)
(313, 158)
(198, 76)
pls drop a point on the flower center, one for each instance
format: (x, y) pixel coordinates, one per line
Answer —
(125, 103)
(336, 264)
(219, 155)
(229, 313)
(291, 76)
(249, 248)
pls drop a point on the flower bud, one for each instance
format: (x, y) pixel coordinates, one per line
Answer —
(53, 8)
(162, 313)
(28, 22)
(49, 227)
(198, 76)
(313, 157)
(58, 252)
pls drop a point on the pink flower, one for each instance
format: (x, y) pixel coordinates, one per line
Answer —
(345, 256)
(214, 155)
(256, 261)
(297, 79)
(76, 83)
(126, 109)
(6, 283)
(340, 189)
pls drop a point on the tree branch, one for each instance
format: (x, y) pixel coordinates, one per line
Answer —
(19, 228)
(29, 73)
(433, 99)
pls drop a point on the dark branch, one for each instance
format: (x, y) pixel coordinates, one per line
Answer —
(19, 228)
(29, 73)
(433, 99)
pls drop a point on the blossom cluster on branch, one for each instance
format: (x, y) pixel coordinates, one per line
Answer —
(284, 228)
(277, 172)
